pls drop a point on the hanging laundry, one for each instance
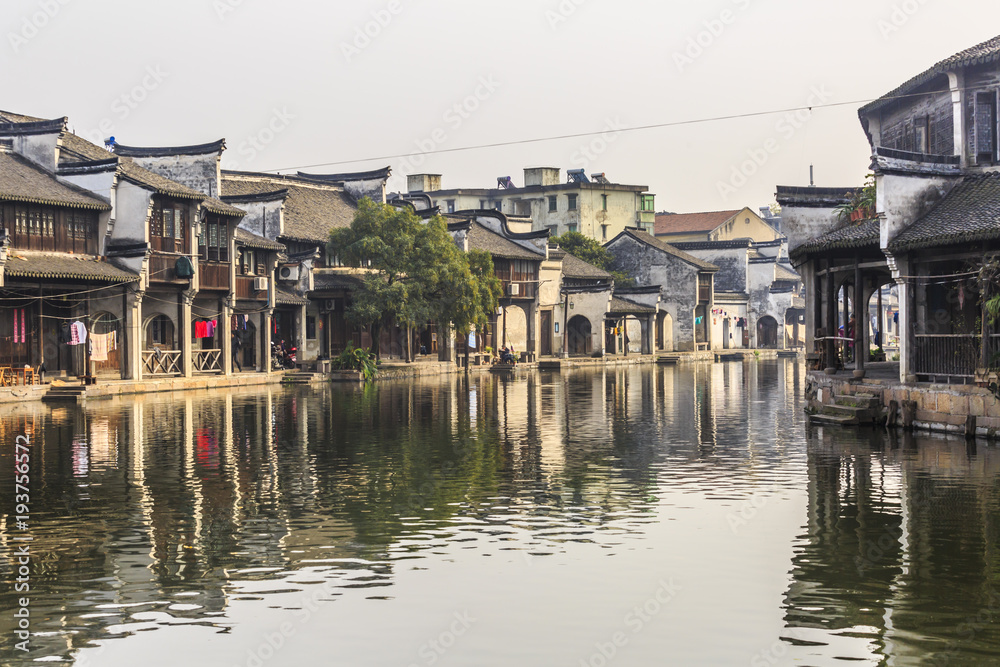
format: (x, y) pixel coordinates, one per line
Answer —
(199, 329)
(77, 333)
(697, 320)
(210, 327)
(99, 347)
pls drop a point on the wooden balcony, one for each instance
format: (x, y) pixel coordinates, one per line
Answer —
(245, 290)
(213, 275)
(161, 268)
(523, 289)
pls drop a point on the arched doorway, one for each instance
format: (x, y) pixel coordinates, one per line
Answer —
(578, 332)
(514, 324)
(161, 354)
(767, 332)
(106, 334)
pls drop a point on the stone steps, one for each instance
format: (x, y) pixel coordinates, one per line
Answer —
(668, 358)
(833, 420)
(70, 393)
(850, 410)
(302, 378)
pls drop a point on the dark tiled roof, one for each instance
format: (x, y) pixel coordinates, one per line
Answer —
(335, 281)
(30, 127)
(784, 273)
(854, 236)
(248, 239)
(574, 267)
(285, 297)
(987, 52)
(220, 207)
(64, 266)
(78, 149)
(481, 238)
(11, 117)
(312, 209)
(619, 305)
(970, 212)
(663, 246)
(374, 174)
(20, 180)
(162, 151)
(686, 223)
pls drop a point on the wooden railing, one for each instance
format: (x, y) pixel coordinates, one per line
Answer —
(213, 275)
(208, 361)
(525, 290)
(245, 290)
(946, 355)
(161, 362)
(161, 267)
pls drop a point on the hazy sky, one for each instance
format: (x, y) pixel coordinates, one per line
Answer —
(299, 83)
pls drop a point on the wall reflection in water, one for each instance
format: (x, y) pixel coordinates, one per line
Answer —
(167, 510)
(900, 550)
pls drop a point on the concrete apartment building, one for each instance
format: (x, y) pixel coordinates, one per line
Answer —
(593, 206)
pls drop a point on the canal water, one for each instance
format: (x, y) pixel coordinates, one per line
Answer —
(621, 516)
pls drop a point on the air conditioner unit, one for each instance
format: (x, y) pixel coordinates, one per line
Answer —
(289, 272)
(260, 284)
(513, 289)
(329, 305)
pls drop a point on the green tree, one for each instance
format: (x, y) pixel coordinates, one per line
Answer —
(592, 252)
(413, 271)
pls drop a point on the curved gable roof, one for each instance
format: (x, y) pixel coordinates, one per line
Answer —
(664, 247)
(986, 52)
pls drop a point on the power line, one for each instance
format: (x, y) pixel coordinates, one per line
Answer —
(579, 135)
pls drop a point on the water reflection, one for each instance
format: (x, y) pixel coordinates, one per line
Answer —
(205, 510)
(900, 550)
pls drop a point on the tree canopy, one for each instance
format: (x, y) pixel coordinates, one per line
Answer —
(413, 272)
(592, 252)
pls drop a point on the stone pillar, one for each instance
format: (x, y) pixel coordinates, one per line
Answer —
(226, 334)
(813, 300)
(531, 336)
(906, 289)
(264, 356)
(300, 334)
(133, 334)
(860, 320)
(184, 325)
(829, 326)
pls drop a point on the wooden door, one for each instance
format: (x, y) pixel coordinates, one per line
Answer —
(546, 326)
